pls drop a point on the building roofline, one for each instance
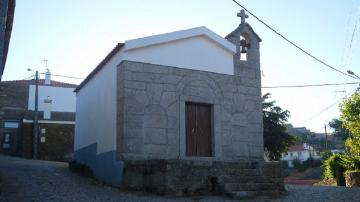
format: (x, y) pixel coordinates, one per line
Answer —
(240, 27)
(179, 35)
(160, 39)
(100, 66)
(7, 34)
(41, 83)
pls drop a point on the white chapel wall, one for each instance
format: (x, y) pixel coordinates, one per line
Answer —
(199, 53)
(96, 101)
(96, 110)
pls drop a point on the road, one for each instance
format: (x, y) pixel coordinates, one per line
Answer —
(31, 180)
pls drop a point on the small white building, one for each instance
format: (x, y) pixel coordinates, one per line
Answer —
(174, 106)
(56, 118)
(338, 151)
(142, 100)
(301, 152)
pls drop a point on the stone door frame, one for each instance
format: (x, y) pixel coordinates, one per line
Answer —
(215, 126)
(199, 140)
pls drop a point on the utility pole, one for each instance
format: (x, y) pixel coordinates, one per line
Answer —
(36, 116)
(326, 139)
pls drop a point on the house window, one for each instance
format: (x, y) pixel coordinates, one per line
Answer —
(299, 153)
(291, 154)
(11, 124)
(7, 138)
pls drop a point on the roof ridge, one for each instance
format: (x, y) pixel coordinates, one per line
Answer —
(54, 83)
(100, 65)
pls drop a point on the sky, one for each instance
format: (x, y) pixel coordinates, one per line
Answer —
(74, 36)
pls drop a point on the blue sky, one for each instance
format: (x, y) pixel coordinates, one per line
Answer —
(75, 36)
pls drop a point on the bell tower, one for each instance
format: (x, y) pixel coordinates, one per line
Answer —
(247, 57)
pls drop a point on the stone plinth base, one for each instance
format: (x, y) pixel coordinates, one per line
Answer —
(190, 177)
(352, 179)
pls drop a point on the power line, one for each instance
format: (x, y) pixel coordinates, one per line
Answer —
(312, 85)
(28, 77)
(292, 43)
(70, 77)
(330, 106)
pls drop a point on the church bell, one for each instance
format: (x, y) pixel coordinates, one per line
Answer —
(243, 46)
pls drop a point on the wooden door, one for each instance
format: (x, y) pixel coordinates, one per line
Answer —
(198, 129)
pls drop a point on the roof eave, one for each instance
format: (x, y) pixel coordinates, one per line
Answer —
(180, 35)
(99, 66)
(8, 29)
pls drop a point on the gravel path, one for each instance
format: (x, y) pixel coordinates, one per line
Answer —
(29, 180)
(321, 193)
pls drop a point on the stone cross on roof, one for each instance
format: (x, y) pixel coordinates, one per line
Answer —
(242, 15)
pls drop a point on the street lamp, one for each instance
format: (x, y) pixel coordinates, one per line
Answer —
(36, 115)
(353, 74)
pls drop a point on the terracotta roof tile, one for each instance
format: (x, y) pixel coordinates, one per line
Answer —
(41, 82)
(297, 148)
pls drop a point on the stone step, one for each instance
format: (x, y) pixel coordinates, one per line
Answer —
(264, 194)
(237, 165)
(242, 179)
(231, 187)
(243, 172)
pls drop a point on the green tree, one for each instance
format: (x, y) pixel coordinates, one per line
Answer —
(339, 129)
(276, 139)
(350, 115)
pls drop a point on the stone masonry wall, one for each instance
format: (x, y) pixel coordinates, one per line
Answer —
(151, 111)
(187, 177)
(13, 106)
(59, 141)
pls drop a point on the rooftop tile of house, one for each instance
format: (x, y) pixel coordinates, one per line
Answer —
(297, 148)
(41, 82)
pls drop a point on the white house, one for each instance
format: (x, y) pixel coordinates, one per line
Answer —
(56, 107)
(338, 151)
(301, 152)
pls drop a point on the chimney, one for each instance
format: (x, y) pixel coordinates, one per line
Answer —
(47, 108)
(47, 77)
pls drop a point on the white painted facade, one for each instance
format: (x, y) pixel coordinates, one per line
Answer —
(96, 110)
(302, 154)
(63, 99)
(337, 151)
(192, 53)
(198, 48)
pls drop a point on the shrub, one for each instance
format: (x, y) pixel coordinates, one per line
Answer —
(309, 163)
(334, 162)
(284, 164)
(350, 163)
(300, 166)
(325, 155)
(297, 164)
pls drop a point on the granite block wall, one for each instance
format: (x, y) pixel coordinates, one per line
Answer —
(151, 111)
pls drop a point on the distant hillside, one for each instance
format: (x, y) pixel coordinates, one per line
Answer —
(317, 140)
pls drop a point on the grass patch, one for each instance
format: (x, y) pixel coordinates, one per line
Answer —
(326, 182)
